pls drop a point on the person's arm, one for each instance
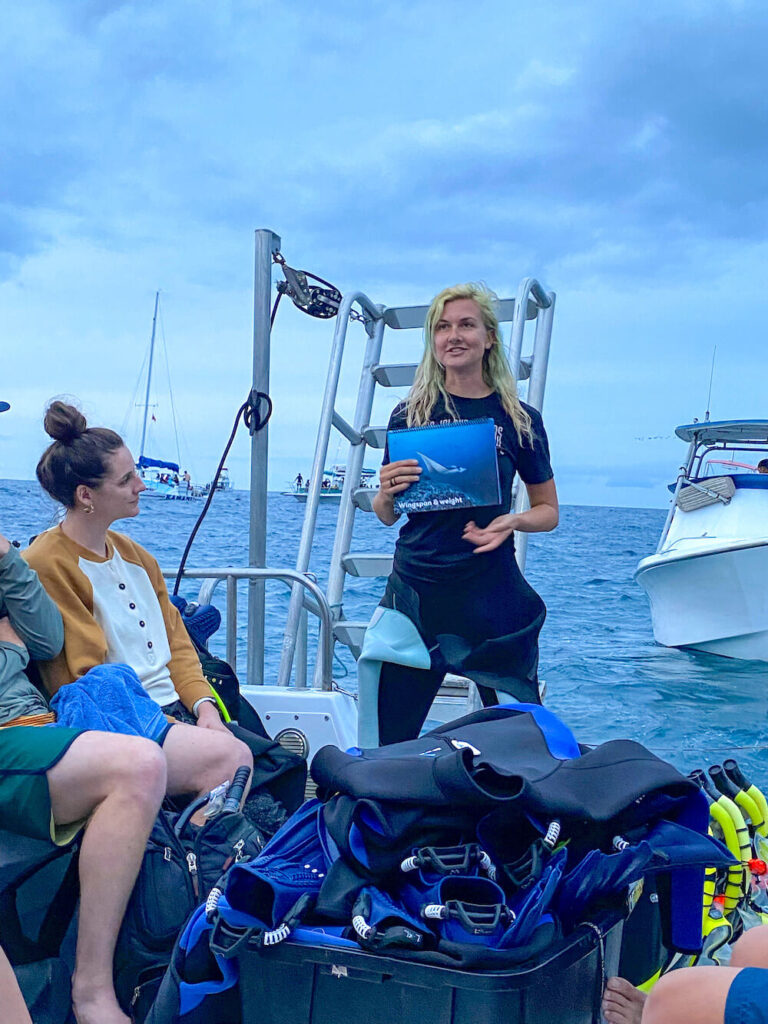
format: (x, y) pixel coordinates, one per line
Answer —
(32, 613)
(85, 645)
(13, 657)
(542, 516)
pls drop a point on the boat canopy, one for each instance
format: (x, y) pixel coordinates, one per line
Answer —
(146, 463)
(724, 430)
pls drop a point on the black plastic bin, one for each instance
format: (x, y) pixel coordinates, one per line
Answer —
(321, 985)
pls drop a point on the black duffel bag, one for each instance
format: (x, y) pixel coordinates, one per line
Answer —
(181, 865)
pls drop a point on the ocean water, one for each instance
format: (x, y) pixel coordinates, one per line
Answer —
(605, 675)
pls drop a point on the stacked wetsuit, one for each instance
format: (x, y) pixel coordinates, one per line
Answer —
(474, 615)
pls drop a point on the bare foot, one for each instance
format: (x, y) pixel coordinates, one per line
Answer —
(97, 1008)
(622, 1002)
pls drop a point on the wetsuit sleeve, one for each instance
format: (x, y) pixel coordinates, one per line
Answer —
(32, 613)
(533, 464)
(397, 421)
(185, 669)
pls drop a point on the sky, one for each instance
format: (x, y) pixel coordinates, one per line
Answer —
(617, 153)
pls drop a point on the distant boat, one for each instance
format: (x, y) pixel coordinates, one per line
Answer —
(332, 486)
(162, 478)
(222, 484)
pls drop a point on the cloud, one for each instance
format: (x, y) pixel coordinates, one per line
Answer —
(630, 147)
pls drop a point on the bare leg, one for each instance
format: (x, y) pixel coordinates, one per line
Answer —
(752, 949)
(201, 759)
(622, 1002)
(119, 783)
(14, 1010)
(691, 994)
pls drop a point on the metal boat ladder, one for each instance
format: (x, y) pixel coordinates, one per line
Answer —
(532, 304)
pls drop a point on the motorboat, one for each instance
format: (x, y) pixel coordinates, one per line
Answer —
(223, 483)
(332, 486)
(706, 583)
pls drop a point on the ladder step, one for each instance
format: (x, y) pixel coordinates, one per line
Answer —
(367, 565)
(454, 686)
(403, 318)
(351, 635)
(375, 437)
(363, 498)
(400, 375)
(394, 375)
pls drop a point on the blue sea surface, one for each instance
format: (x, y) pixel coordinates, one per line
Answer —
(605, 675)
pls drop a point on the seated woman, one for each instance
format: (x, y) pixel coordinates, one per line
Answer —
(55, 782)
(114, 602)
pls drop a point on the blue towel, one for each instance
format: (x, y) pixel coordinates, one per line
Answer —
(109, 698)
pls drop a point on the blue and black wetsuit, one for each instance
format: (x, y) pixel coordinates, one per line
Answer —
(476, 614)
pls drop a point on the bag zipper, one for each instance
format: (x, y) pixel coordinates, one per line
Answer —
(192, 868)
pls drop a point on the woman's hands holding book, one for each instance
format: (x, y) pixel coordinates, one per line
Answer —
(394, 478)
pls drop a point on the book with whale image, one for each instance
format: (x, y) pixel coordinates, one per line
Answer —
(459, 468)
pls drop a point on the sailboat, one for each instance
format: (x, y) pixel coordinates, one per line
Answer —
(163, 478)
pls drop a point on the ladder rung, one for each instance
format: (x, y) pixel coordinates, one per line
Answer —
(407, 317)
(350, 634)
(375, 437)
(454, 686)
(368, 565)
(400, 375)
(363, 498)
(394, 375)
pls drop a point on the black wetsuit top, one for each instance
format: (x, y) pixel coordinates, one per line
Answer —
(430, 547)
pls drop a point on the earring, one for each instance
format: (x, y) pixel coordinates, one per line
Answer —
(87, 509)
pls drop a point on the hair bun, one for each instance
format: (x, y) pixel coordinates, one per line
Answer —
(64, 422)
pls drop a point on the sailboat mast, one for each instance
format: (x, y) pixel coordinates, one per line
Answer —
(149, 376)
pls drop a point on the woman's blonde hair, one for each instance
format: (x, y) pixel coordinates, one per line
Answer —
(429, 382)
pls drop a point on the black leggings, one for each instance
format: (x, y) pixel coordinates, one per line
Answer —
(485, 627)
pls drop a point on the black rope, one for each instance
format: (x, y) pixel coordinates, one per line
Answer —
(250, 411)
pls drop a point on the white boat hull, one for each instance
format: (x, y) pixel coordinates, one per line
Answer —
(714, 600)
(302, 496)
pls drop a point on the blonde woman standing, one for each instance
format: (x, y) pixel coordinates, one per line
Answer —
(455, 577)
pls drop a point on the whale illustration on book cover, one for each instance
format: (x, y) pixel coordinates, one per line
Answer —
(459, 468)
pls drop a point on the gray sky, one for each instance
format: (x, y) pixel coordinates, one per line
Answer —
(616, 152)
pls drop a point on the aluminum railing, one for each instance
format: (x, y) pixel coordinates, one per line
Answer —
(314, 602)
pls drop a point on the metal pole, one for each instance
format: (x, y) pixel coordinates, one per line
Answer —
(149, 377)
(536, 384)
(682, 478)
(232, 622)
(301, 651)
(267, 243)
